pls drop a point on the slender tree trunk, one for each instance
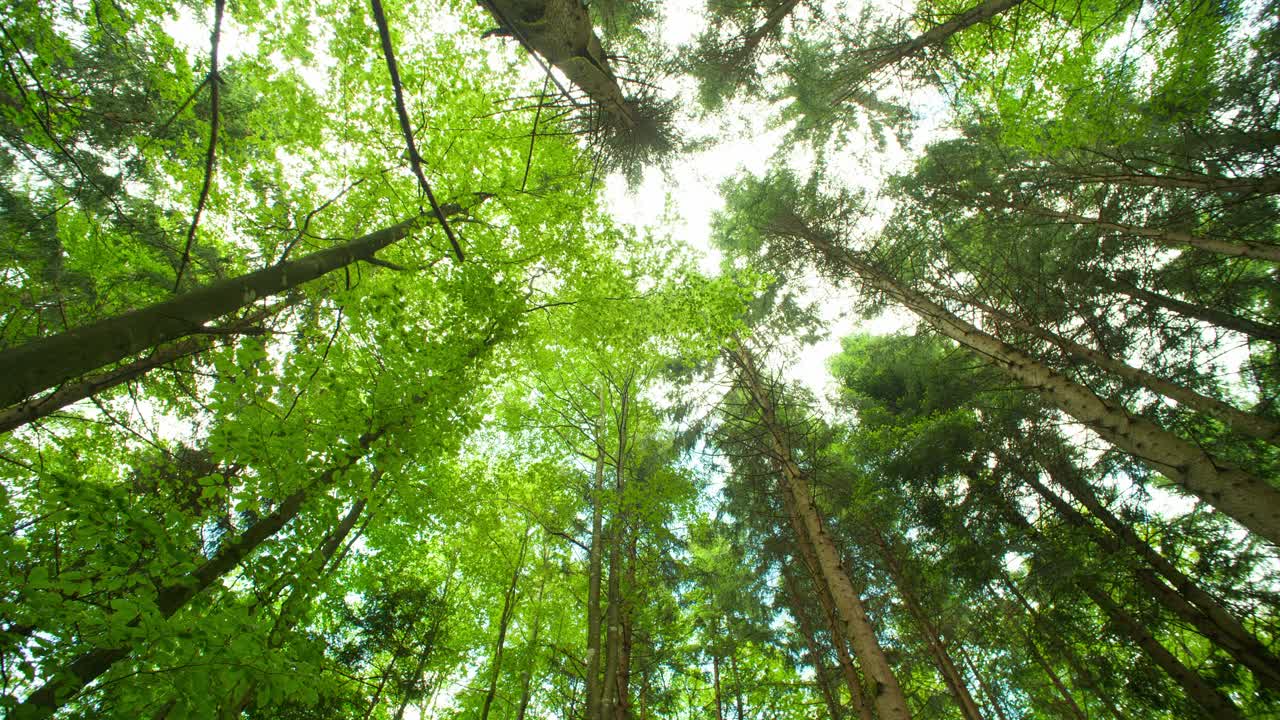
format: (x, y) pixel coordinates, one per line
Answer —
(94, 383)
(526, 687)
(933, 639)
(47, 362)
(737, 688)
(623, 707)
(1214, 704)
(1251, 501)
(1211, 701)
(715, 677)
(883, 57)
(66, 682)
(1168, 238)
(992, 695)
(618, 529)
(594, 572)
(504, 622)
(890, 702)
(771, 23)
(820, 670)
(1246, 423)
(1067, 699)
(1203, 313)
(304, 587)
(1087, 679)
(1220, 629)
(1265, 185)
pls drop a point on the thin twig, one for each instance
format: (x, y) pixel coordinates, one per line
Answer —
(533, 135)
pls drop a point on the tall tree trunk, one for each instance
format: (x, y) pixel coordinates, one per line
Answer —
(1264, 185)
(504, 622)
(66, 682)
(1068, 700)
(1251, 501)
(1211, 701)
(820, 670)
(526, 683)
(1222, 630)
(1168, 238)
(1086, 677)
(594, 572)
(737, 687)
(1256, 426)
(617, 537)
(715, 678)
(770, 25)
(305, 584)
(94, 383)
(889, 700)
(839, 636)
(623, 707)
(880, 58)
(1203, 313)
(47, 362)
(989, 691)
(933, 639)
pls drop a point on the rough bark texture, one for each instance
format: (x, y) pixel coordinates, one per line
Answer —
(47, 362)
(561, 31)
(1250, 500)
(889, 700)
(1242, 422)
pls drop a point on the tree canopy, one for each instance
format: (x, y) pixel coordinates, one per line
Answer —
(334, 382)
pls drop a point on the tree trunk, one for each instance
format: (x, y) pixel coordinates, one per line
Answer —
(1212, 316)
(990, 692)
(1185, 599)
(47, 362)
(1168, 238)
(883, 57)
(1068, 700)
(1213, 702)
(65, 683)
(526, 686)
(1090, 681)
(504, 621)
(890, 702)
(1216, 706)
(94, 383)
(820, 670)
(304, 587)
(611, 698)
(594, 572)
(839, 637)
(1265, 185)
(933, 639)
(1251, 501)
(1256, 426)
(715, 676)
